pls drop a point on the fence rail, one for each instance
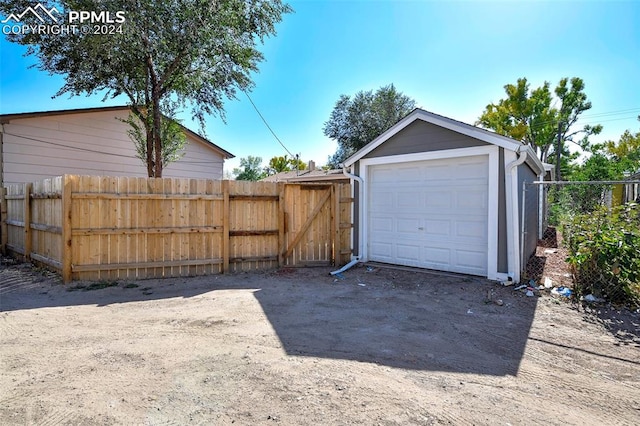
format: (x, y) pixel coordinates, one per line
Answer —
(91, 227)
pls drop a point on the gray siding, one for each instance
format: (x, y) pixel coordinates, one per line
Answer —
(525, 174)
(421, 136)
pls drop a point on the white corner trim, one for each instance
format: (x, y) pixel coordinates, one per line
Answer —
(492, 151)
(511, 163)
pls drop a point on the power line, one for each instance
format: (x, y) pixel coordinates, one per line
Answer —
(181, 160)
(267, 124)
(70, 147)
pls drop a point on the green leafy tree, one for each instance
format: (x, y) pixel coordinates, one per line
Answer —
(626, 152)
(173, 138)
(284, 164)
(356, 121)
(167, 54)
(250, 169)
(531, 117)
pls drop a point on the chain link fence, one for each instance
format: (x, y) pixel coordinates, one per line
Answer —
(588, 240)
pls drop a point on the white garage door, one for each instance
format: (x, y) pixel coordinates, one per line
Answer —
(430, 214)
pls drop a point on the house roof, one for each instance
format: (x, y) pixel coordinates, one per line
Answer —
(453, 125)
(6, 118)
(306, 176)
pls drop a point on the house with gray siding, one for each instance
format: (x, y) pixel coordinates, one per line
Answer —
(93, 141)
(436, 193)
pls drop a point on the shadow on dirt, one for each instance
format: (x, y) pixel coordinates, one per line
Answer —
(397, 319)
(623, 324)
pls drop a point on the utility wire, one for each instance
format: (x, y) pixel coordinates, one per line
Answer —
(77, 148)
(267, 124)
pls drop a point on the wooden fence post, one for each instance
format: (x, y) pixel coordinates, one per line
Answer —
(27, 221)
(66, 228)
(281, 224)
(225, 226)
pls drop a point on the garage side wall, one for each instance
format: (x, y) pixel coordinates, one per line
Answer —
(526, 174)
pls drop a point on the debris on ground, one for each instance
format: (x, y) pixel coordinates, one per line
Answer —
(562, 291)
(592, 299)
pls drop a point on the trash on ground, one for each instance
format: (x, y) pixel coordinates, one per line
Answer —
(469, 311)
(499, 302)
(592, 299)
(362, 284)
(530, 293)
(520, 287)
(548, 283)
(339, 275)
(562, 291)
(550, 251)
(370, 269)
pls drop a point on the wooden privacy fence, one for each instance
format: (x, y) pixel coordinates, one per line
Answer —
(93, 227)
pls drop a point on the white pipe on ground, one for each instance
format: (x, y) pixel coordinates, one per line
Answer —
(355, 260)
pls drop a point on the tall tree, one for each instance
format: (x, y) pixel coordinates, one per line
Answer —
(531, 117)
(284, 164)
(250, 169)
(354, 122)
(626, 152)
(166, 55)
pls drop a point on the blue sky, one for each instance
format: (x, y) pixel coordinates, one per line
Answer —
(453, 58)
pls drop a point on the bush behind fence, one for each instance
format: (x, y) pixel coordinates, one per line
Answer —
(590, 238)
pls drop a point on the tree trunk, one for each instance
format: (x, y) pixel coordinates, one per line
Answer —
(149, 131)
(157, 136)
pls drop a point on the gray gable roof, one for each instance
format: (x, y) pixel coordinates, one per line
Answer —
(453, 125)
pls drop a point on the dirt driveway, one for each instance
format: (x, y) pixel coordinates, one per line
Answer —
(378, 347)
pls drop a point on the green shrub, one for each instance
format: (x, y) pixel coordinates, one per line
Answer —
(604, 253)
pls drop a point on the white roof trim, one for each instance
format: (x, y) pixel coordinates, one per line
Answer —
(438, 120)
(533, 161)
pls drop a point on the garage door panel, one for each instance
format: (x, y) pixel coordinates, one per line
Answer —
(438, 173)
(471, 230)
(408, 252)
(438, 199)
(472, 199)
(409, 225)
(382, 224)
(434, 227)
(431, 214)
(407, 200)
(382, 251)
(436, 259)
(383, 202)
(471, 171)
